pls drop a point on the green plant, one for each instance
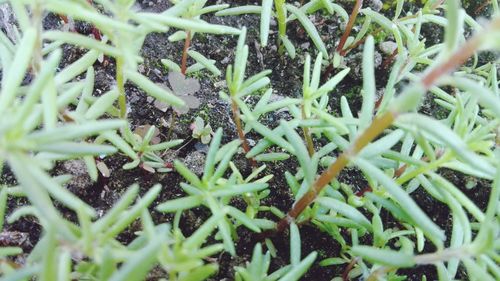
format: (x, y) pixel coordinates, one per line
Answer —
(257, 269)
(281, 9)
(408, 100)
(358, 175)
(193, 11)
(239, 87)
(215, 192)
(200, 131)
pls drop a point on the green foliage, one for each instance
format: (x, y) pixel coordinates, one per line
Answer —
(390, 143)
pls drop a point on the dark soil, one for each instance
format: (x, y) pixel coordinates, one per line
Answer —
(286, 81)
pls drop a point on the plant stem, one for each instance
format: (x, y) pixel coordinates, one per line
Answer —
(172, 124)
(444, 255)
(241, 133)
(348, 28)
(458, 58)
(120, 81)
(307, 135)
(348, 268)
(187, 43)
(378, 125)
(378, 273)
(424, 169)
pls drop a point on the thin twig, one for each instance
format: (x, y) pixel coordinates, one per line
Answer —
(307, 135)
(348, 28)
(241, 133)
(187, 43)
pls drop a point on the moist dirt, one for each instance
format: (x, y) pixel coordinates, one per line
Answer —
(286, 82)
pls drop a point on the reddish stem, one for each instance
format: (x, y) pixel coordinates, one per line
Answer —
(389, 59)
(241, 133)
(350, 24)
(458, 58)
(348, 268)
(379, 124)
(363, 191)
(307, 135)
(187, 43)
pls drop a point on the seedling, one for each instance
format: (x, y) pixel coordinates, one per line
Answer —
(200, 131)
(193, 10)
(52, 114)
(239, 87)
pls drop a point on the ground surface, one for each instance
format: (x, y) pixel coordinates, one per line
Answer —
(286, 81)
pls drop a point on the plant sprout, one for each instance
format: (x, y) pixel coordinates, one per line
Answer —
(200, 131)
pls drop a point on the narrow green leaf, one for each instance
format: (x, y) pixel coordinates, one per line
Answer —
(239, 189)
(271, 157)
(14, 76)
(310, 29)
(240, 10)
(265, 19)
(75, 149)
(193, 25)
(384, 257)
(297, 271)
(300, 151)
(295, 245)
(346, 210)
(243, 218)
(180, 204)
(290, 49)
(123, 203)
(434, 232)
(454, 24)
(120, 143)
(162, 94)
(205, 62)
(132, 214)
(198, 237)
(138, 265)
(74, 131)
(101, 105)
(77, 67)
(170, 65)
(211, 155)
(368, 92)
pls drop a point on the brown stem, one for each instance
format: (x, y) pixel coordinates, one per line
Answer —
(64, 18)
(187, 43)
(348, 28)
(389, 59)
(481, 8)
(375, 275)
(348, 268)
(353, 46)
(458, 58)
(241, 134)
(307, 136)
(378, 125)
